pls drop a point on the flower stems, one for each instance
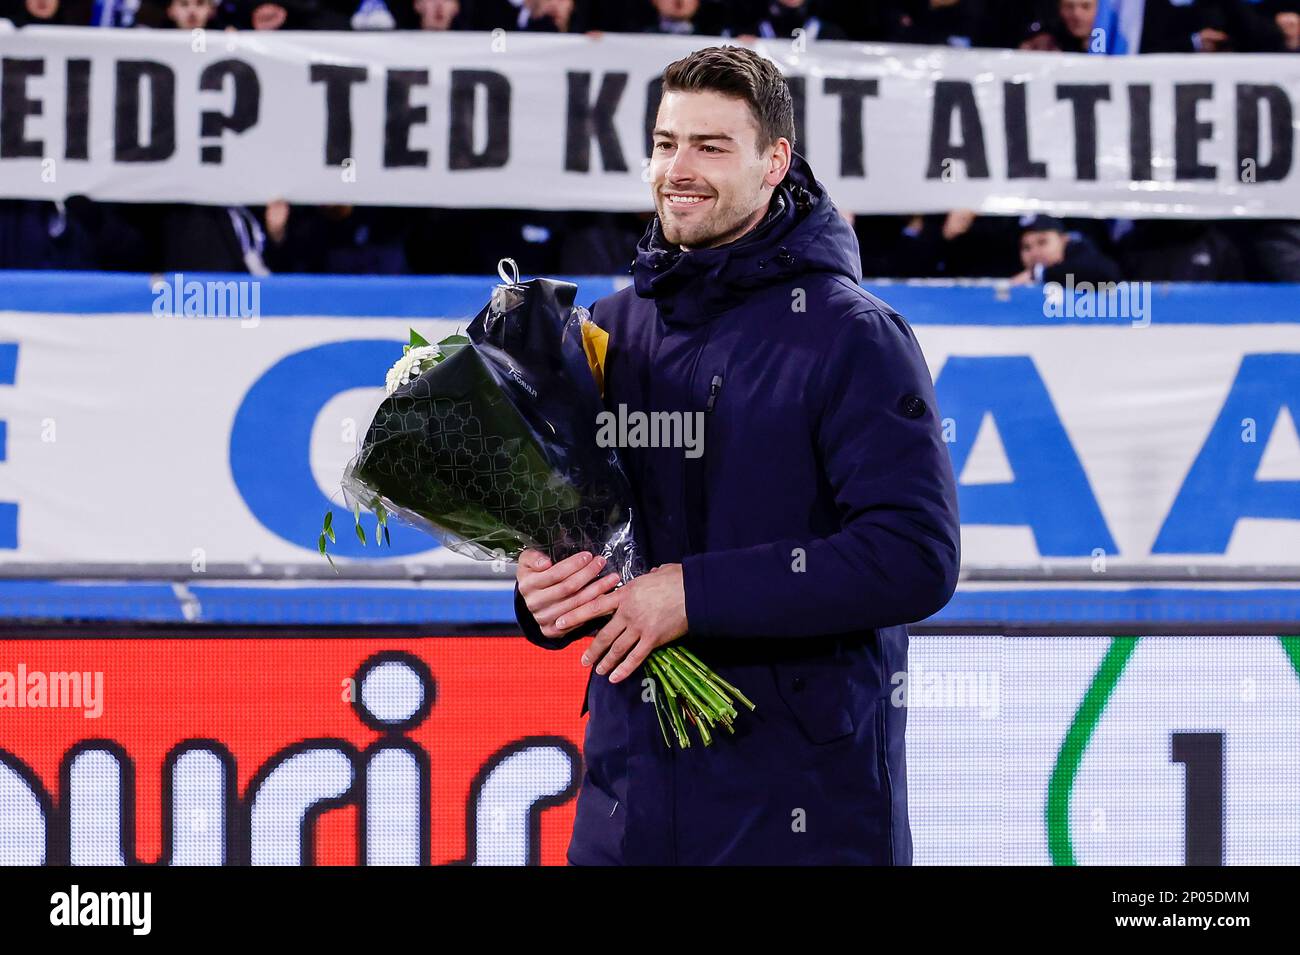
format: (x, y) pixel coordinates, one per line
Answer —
(686, 690)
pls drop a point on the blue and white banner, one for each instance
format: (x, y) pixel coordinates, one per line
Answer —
(130, 432)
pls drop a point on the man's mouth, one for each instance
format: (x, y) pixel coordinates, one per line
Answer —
(684, 200)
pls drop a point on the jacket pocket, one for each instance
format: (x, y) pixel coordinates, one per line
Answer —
(818, 695)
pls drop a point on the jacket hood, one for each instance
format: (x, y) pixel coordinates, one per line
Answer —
(802, 233)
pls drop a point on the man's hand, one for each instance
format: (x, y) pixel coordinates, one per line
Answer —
(565, 595)
(652, 613)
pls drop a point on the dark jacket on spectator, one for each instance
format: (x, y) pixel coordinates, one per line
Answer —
(1175, 250)
(1085, 262)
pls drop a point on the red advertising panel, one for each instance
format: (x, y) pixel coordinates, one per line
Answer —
(336, 751)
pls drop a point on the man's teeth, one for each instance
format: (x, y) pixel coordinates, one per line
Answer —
(686, 200)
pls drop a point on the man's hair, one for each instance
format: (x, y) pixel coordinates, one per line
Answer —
(743, 74)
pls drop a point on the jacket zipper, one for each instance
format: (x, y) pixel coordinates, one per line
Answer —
(715, 387)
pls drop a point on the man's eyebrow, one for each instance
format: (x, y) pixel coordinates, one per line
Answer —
(696, 137)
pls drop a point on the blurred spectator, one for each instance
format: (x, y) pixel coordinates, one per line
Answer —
(1076, 18)
(959, 244)
(1180, 250)
(780, 18)
(959, 23)
(600, 243)
(41, 12)
(1286, 19)
(437, 14)
(1049, 254)
(1039, 36)
(42, 235)
(682, 17)
(293, 14)
(191, 14)
(1208, 26)
(545, 16)
(472, 241)
(868, 22)
(339, 239)
(210, 239)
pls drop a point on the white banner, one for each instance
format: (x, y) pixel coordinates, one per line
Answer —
(561, 122)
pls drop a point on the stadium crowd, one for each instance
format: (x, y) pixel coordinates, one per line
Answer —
(81, 234)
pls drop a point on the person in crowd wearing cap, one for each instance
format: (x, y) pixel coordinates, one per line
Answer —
(1048, 254)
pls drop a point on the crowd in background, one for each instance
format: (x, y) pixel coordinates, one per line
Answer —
(81, 234)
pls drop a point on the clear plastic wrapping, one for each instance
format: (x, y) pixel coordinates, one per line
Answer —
(493, 448)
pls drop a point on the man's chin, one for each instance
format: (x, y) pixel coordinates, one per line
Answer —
(688, 238)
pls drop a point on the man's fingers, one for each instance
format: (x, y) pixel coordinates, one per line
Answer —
(533, 560)
(618, 650)
(587, 594)
(603, 638)
(576, 580)
(590, 611)
(561, 570)
(633, 660)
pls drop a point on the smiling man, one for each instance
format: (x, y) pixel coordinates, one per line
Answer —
(820, 519)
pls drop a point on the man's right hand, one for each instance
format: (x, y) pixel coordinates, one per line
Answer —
(568, 594)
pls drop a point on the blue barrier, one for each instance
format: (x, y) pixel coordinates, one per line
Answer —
(449, 296)
(408, 605)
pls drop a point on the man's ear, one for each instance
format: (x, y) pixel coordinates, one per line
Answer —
(779, 158)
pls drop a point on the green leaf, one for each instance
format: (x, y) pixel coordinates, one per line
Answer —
(329, 520)
(417, 339)
(361, 533)
(333, 539)
(456, 339)
(320, 544)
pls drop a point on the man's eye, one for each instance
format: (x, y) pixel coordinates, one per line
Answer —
(663, 145)
(712, 149)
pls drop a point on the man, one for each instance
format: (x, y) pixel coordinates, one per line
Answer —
(819, 520)
(1049, 254)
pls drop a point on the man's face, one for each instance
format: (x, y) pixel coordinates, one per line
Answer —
(42, 9)
(677, 9)
(1045, 248)
(190, 14)
(1078, 15)
(1289, 23)
(710, 182)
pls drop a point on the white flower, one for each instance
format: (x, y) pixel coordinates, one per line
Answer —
(411, 365)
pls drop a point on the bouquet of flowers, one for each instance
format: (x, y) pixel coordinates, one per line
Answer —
(487, 441)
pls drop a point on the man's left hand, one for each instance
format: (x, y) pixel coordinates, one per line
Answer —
(651, 614)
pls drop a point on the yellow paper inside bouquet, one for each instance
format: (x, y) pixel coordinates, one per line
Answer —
(595, 342)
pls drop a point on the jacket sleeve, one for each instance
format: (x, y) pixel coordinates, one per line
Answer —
(895, 558)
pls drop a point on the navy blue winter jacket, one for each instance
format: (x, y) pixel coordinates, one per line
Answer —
(820, 519)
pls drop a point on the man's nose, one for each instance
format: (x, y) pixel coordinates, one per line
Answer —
(681, 169)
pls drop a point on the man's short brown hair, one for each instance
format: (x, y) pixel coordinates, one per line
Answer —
(736, 71)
